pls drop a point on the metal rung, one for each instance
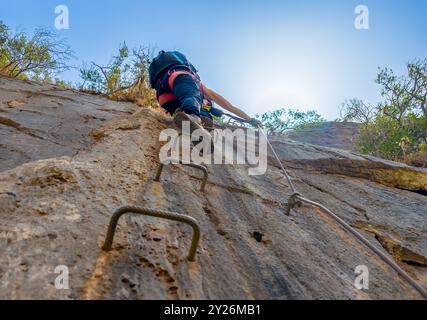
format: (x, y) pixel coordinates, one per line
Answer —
(153, 213)
(200, 167)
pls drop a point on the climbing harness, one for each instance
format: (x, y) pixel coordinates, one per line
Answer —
(197, 166)
(297, 198)
(153, 213)
(167, 95)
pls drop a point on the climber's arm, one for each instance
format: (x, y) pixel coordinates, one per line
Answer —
(222, 102)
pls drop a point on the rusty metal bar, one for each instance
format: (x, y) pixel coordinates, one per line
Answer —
(153, 213)
(200, 167)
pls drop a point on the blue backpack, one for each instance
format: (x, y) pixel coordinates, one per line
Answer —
(166, 60)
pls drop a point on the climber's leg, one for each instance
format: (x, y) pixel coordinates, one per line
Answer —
(188, 94)
(187, 91)
(206, 117)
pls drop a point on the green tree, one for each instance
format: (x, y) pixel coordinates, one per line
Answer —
(382, 138)
(124, 70)
(125, 77)
(357, 110)
(406, 93)
(282, 120)
(37, 57)
(396, 128)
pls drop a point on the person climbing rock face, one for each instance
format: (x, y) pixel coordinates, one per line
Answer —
(181, 93)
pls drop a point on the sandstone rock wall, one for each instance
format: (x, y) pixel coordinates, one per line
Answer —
(55, 207)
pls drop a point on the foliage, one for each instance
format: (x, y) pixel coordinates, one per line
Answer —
(418, 158)
(62, 83)
(383, 137)
(406, 93)
(281, 120)
(357, 110)
(124, 78)
(396, 128)
(37, 57)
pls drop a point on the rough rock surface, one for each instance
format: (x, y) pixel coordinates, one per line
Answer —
(329, 134)
(39, 122)
(55, 211)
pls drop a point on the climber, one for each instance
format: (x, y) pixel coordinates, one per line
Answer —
(180, 91)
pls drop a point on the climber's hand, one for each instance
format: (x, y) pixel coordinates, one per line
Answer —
(255, 123)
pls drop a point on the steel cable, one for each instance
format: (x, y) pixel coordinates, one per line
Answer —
(346, 226)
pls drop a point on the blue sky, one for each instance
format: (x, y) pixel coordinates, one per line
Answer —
(261, 55)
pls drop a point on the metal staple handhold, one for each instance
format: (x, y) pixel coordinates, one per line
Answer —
(153, 213)
(197, 166)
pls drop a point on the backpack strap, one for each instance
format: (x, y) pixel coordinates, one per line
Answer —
(173, 74)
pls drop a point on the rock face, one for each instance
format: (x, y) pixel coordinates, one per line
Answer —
(329, 134)
(55, 208)
(39, 122)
